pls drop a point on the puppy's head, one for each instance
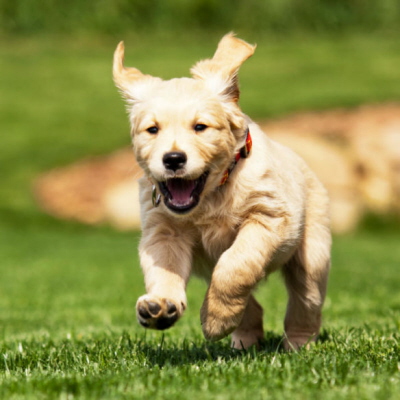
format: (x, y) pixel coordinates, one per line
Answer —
(186, 131)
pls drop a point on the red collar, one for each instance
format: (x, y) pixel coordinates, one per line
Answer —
(242, 153)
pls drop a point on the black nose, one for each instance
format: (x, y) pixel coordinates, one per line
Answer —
(174, 160)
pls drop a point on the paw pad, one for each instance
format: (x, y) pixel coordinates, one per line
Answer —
(156, 313)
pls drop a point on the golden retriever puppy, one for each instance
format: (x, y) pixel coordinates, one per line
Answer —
(221, 200)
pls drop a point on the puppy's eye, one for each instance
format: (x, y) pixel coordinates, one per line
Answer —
(153, 130)
(200, 127)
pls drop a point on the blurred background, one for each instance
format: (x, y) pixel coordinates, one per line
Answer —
(58, 103)
(325, 80)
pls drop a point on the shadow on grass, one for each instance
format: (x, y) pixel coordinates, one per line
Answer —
(324, 336)
(193, 353)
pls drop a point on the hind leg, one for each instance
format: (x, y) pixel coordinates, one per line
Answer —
(306, 276)
(250, 331)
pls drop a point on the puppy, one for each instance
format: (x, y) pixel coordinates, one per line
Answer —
(221, 200)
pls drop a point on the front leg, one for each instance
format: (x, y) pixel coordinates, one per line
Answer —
(165, 256)
(237, 272)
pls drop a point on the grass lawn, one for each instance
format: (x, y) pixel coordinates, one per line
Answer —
(67, 292)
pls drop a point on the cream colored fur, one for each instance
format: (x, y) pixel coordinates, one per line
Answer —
(271, 214)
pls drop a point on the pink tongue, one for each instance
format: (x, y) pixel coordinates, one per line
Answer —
(181, 190)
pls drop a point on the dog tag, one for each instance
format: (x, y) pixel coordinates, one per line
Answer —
(155, 197)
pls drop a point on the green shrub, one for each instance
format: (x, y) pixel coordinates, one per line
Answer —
(278, 16)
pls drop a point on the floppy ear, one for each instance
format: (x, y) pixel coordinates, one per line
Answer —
(128, 80)
(221, 71)
(123, 76)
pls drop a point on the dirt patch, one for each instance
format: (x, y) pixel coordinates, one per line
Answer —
(355, 152)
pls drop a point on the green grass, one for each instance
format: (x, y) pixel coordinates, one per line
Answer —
(68, 327)
(67, 292)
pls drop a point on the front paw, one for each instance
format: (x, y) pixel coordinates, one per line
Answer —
(219, 319)
(157, 313)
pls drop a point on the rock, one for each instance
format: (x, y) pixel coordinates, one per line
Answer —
(121, 205)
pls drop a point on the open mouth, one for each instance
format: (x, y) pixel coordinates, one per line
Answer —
(182, 195)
